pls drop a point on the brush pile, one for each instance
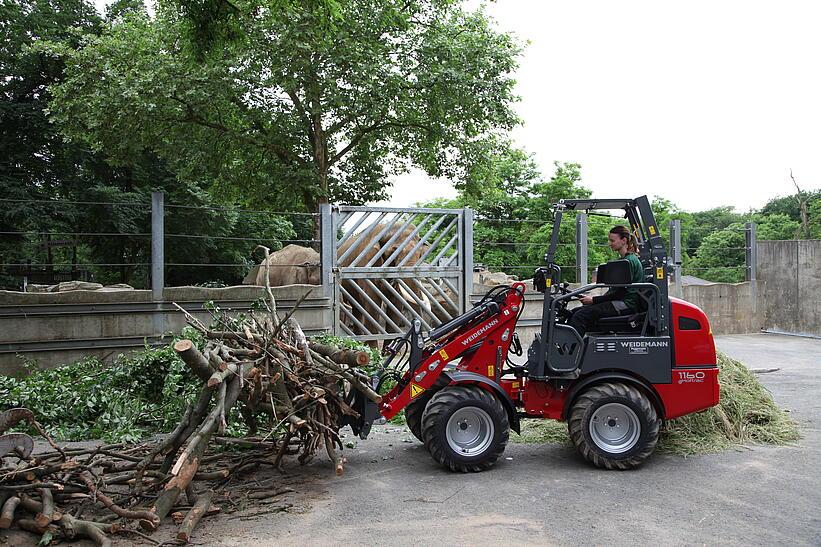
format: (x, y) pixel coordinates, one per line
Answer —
(251, 366)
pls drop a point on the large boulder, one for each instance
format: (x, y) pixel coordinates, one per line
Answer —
(484, 278)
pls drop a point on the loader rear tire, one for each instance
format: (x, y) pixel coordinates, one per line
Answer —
(614, 426)
(465, 428)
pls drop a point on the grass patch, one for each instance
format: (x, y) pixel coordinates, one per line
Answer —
(535, 430)
(746, 414)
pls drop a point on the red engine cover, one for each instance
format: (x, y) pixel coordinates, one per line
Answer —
(693, 344)
(694, 383)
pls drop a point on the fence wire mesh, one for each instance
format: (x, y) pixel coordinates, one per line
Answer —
(110, 242)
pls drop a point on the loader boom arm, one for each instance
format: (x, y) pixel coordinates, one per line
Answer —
(479, 339)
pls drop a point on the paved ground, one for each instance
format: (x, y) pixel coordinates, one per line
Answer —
(393, 492)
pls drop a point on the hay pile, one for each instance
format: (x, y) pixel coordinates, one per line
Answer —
(746, 414)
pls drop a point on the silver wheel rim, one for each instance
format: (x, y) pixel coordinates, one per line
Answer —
(615, 428)
(469, 431)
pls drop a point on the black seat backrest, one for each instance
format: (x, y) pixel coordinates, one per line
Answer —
(616, 272)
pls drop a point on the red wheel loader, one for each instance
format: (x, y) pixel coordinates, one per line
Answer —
(614, 386)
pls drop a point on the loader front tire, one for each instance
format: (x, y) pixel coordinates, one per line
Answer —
(465, 428)
(416, 408)
(413, 416)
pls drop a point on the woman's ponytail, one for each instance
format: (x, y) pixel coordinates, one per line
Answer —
(633, 245)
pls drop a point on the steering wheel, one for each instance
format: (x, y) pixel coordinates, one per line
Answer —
(562, 313)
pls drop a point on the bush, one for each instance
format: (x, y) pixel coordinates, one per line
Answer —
(137, 395)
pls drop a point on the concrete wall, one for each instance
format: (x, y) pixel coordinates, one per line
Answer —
(58, 328)
(728, 306)
(789, 285)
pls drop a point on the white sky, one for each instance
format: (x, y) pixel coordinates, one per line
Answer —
(704, 103)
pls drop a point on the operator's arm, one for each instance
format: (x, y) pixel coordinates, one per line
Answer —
(613, 293)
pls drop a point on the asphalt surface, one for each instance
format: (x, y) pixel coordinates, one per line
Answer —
(394, 493)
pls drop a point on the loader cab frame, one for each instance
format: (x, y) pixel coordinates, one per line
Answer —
(643, 338)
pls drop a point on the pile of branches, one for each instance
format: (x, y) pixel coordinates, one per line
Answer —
(258, 365)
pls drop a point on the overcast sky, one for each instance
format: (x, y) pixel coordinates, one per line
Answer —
(704, 103)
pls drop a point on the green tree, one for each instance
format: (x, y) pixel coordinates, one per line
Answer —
(41, 173)
(775, 226)
(293, 104)
(815, 219)
(702, 223)
(35, 163)
(721, 256)
(790, 206)
(514, 211)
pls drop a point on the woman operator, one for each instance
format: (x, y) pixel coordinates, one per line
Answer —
(617, 300)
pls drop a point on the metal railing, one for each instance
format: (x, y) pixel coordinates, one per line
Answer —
(386, 267)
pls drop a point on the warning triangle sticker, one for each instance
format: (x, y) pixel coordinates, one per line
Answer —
(416, 391)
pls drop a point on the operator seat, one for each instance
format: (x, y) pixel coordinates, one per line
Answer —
(617, 272)
(621, 324)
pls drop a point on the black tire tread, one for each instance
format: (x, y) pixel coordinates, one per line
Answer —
(416, 408)
(576, 425)
(413, 416)
(438, 407)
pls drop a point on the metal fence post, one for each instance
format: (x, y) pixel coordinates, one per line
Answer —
(581, 248)
(750, 259)
(158, 258)
(327, 260)
(467, 256)
(675, 254)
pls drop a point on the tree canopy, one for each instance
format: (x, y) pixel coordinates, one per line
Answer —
(53, 193)
(277, 104)
(513, 220)
(292, 103)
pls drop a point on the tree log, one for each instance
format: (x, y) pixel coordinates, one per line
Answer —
(194, 515)
(344, 356)
(7, 512)
(33, 506)
(95, 531)
(30, 525)
(43, 517)
(191, 494)
(189, 461)
(195, 360)
(88, 479)
(197, 416)
(217, 377)
(169, 441)
(355, 382)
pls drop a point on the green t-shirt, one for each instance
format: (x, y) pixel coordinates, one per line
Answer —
(631, 298)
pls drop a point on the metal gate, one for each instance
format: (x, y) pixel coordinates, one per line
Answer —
(391, 266)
